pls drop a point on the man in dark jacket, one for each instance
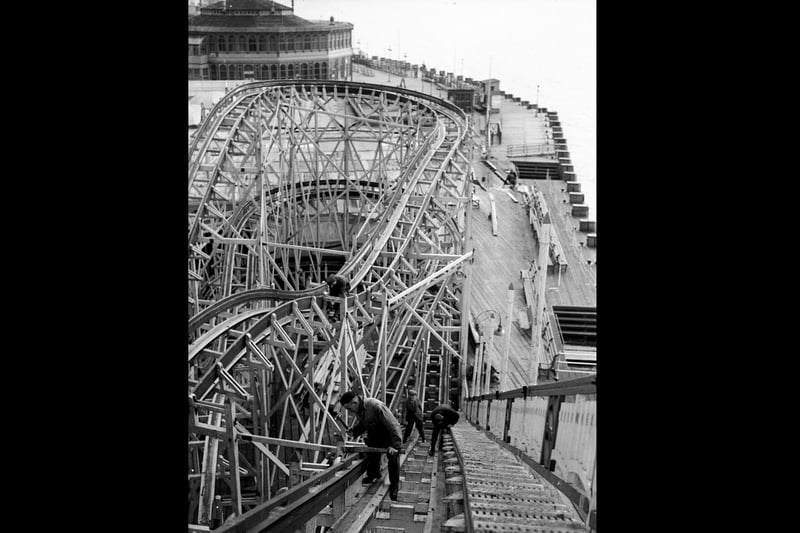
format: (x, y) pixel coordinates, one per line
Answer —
(443, 417)
(383, 430)
(413, 416)
(337, 287)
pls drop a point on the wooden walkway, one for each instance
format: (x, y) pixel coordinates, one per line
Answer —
(498, 261)
(577, 285)
(500, 258)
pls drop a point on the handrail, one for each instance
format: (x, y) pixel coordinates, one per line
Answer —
(585, 385)
(549, 438)
(555, 331)
(517, 150)
(301, 504)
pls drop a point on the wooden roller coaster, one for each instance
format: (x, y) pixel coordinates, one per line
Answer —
(289, 183)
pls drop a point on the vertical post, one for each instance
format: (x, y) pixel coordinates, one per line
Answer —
(504, 365)
(550, 429)
(507, 425)
(344, 383)
(382, 355)
(444, 372)
(476, 371)
(233, 457)
(257, 414)
(261, 429)
(593, 499)
(541, 287)
(262, 231)
(267, 385)
(339, 504)
(465, 294)
(487, 375)
(208, 480)
(488, 110)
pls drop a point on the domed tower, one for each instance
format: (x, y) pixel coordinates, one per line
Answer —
(264, 40)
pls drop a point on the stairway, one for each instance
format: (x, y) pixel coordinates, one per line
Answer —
(578, 325)
(409, 513)
(412, 509)
(539, 169)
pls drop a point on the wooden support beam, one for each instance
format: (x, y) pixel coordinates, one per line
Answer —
(430, 328)
(210, 453)
(429, 279)
(256, 351)
(310, 389)
(279, 337)
(226, 379)
(260, 446)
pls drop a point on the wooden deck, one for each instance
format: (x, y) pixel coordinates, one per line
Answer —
(500, 258)
(577, 285)
(498, 261)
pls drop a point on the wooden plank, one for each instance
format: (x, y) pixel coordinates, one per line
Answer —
(511, 195)
(233, 458)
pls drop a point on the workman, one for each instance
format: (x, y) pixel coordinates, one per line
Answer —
(413, 409)
(383, 431)
(443, 418)
(338, 287)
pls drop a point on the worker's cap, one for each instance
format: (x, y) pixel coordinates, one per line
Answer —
(412, 392)
(347, 397)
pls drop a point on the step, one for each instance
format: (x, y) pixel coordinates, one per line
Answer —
(414, 476)
(525, 507)
(407, 496)
(452, 470)
(415, 464)
(453, 484)
(401, 511)
(454, 504)
(420, 486)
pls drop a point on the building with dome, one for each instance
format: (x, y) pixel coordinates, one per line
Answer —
(264, 40)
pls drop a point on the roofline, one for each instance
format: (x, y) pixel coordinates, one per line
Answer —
(326, 27)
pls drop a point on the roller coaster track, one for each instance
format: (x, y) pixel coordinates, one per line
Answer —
(290, 182)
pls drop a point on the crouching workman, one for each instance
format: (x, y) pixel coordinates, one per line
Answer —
(443, 418)
(383, 430)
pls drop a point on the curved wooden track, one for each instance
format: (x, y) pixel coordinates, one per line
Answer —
(289, 183)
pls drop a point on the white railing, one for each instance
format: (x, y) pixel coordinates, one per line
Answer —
(554, 426)
(520, 150)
